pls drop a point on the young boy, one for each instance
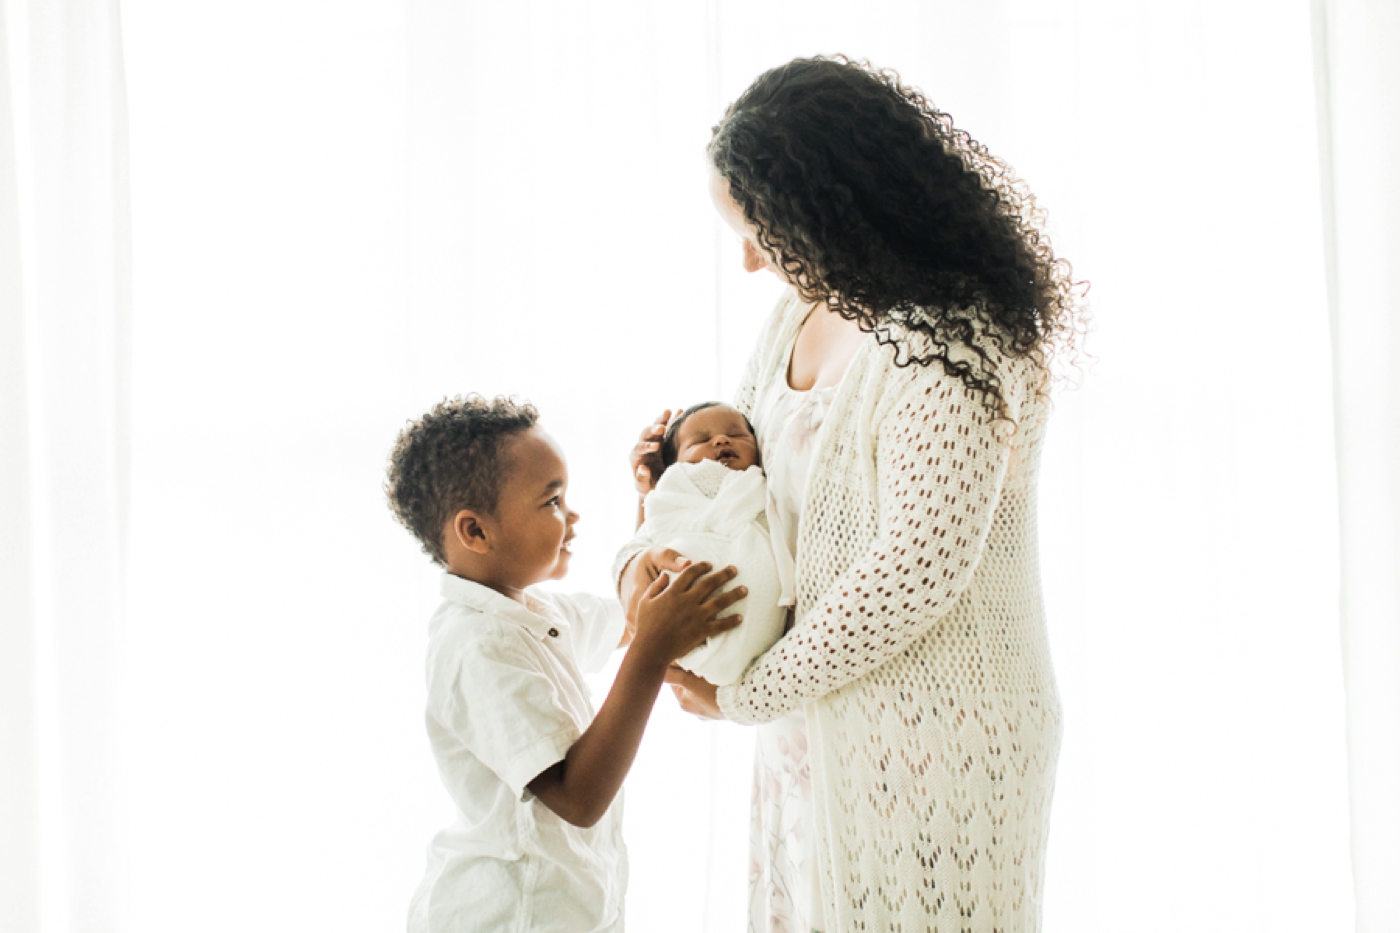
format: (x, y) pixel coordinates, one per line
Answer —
(536, 845)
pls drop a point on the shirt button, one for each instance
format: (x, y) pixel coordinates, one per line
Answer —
(554, 633)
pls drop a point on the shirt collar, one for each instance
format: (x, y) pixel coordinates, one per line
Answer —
(539, 619)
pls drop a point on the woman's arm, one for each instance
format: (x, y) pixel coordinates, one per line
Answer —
(939, 465)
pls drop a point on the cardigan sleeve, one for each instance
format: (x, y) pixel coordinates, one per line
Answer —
(939, 465)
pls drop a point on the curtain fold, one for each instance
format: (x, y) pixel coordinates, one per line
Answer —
(19, 780)
(66, 428)
(1358, 81)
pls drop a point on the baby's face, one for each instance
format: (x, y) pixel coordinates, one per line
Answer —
(717, 433)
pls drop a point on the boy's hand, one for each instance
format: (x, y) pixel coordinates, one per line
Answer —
(676, 615)
(646, 455)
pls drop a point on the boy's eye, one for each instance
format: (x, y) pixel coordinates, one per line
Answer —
(553, 501)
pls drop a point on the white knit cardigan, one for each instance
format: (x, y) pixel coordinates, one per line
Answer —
(919, 653)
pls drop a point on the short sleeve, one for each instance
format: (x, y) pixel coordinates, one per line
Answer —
(596, 625)
(503, 707)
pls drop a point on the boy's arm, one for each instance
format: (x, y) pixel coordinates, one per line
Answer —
(673, 619)
(582, 786)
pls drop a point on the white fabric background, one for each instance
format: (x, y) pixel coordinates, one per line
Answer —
(65, 439)
(340, 213)
(1359, 89)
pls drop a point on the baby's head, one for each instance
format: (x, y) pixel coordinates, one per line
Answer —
(482, 487)
(710, 431)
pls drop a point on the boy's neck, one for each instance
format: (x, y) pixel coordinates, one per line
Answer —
(482, 576)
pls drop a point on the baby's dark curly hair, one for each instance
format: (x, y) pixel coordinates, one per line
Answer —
(870, 201)
(449, 460)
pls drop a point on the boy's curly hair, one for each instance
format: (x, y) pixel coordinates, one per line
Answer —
(872, 202)
(449, 460)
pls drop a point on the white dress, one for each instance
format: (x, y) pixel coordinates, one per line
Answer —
(783, 892)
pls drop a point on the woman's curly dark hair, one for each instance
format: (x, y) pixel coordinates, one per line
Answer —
(870, 201)
(449, 460)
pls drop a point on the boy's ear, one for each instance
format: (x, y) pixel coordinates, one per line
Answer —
(468, 528)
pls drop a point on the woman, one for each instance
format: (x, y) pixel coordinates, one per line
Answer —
(909, 718)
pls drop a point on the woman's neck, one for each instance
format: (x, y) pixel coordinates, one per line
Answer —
(825, 346)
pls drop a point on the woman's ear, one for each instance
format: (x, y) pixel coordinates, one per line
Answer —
(469, 529)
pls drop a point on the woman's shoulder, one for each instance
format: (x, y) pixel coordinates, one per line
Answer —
(903, 371)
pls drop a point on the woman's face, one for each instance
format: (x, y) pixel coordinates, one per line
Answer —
(733, 216)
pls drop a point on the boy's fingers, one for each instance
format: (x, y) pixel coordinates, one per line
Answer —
(658, 586)
(721, 601)
(717, 626)
(716, 580)
(687, 577)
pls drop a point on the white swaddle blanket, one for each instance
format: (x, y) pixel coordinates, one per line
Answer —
(709, 512)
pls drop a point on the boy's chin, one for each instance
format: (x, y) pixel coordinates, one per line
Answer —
(561, 567)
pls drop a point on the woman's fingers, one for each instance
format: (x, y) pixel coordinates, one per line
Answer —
(658, 586)
(654, 431)
(670, 559)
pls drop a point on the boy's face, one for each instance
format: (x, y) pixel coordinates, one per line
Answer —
(533, 525)
(717, 433)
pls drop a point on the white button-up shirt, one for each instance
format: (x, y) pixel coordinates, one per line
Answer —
(506, 700)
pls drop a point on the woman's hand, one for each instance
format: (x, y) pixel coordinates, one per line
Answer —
(646, 455)
(695, 694)
(641, 571)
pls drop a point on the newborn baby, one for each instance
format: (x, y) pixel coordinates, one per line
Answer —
(711, 504)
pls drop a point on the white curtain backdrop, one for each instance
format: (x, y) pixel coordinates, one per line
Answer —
(1358, 68)
(341, 212)
(65, 256)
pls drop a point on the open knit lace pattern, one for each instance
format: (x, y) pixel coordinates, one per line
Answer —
(920, 651)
